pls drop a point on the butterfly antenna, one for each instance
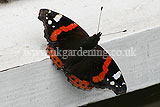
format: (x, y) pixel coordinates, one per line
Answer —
(99, 19)
(114, 32)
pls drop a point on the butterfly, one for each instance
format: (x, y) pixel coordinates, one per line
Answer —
(77, 54)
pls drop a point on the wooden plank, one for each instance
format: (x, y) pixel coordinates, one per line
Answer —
(20, 29)
(40, 84)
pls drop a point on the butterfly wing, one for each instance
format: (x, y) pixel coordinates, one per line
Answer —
(107, 74)
(99, 71)
(62, 34)
(59, 27)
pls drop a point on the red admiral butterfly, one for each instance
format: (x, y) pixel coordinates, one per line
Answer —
(83, 71)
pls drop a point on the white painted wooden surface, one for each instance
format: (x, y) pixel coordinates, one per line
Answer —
(21, 30)
(39, 84)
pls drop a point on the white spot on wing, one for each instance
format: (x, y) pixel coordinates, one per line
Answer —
(117, 75)
(49, 22)
(123, 83)
(57, 17)
(53, 26)
(112, 83)
(49, 11)
(107, 79)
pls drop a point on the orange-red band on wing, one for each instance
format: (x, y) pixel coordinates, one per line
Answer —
(73, 79)
(79, 83)
(57, 32)
(101, 76)
(52, 53)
